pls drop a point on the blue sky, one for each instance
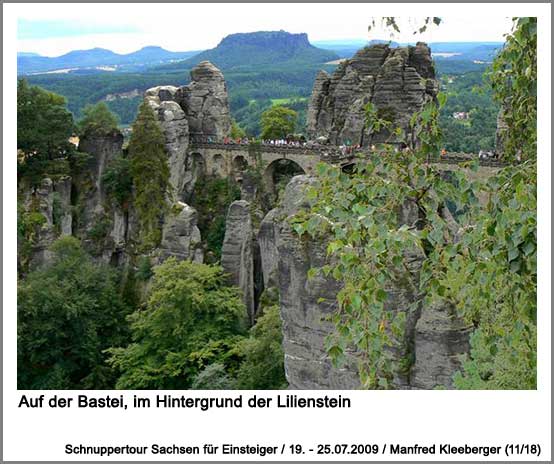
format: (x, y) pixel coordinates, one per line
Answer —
(40, 29)
(52, 30)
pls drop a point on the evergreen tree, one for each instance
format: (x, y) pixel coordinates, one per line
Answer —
(97, 119)
(150, 173)
(44, 126)
(68, 312)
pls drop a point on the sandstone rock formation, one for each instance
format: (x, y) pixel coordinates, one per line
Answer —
(199, 110)
(102, 149)
(206, 103)
(41, 200)
(307, 365)
(237, 253)
(440, 339)
(267, 240)
(432, 336)
(397, 81)
(176, 131)
(181, 236)
(95, 216)
(62, 190)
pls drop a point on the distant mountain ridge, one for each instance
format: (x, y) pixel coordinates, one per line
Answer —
(260, 48)
(30, 63)
(453, 51)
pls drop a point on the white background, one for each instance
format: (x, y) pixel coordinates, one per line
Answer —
(407, 417)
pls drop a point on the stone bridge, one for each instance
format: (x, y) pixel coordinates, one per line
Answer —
(226, 160)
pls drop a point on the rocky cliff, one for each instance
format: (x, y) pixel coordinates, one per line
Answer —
(397, 81)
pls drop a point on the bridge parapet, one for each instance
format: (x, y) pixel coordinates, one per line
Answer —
(334, 154)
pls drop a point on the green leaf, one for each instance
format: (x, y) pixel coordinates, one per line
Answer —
(381, 295)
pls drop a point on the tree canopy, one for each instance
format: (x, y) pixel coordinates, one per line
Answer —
(97, 119)
(190, 321)
(68, 313)
(277, 122)
(150, 171)
(44, 126)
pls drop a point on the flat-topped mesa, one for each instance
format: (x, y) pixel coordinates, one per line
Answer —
(397, 81)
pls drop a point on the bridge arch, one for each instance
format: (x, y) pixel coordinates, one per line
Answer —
(240, 164)
(278, 173)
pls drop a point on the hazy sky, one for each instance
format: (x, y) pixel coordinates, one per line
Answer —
(52, 30)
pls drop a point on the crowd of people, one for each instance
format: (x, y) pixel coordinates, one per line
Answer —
(345, 149)
(268, 142)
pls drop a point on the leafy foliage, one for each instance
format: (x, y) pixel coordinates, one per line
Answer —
(213, 377)
(68, 313)
(44, 127)
(391, 23)
(262, 367)
(144, 271)
(513, 77)
(118, 181)
(97, 119)
(237, 132)
(191, 320)
(29, 224)
(278, 122)
(150, 172)
(392, 209)
(211, 198)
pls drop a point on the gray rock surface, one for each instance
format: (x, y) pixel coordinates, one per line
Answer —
(267, 241)
(42, 200)
(91, 196)
(199, 110)
(397, 81)
(176, 132)
(206, 102)
(440, 339)
(62, 189)
(181, 236)
(431, 336)
(237, 253)
(102, 149)
(94, 211)
(307, 365)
